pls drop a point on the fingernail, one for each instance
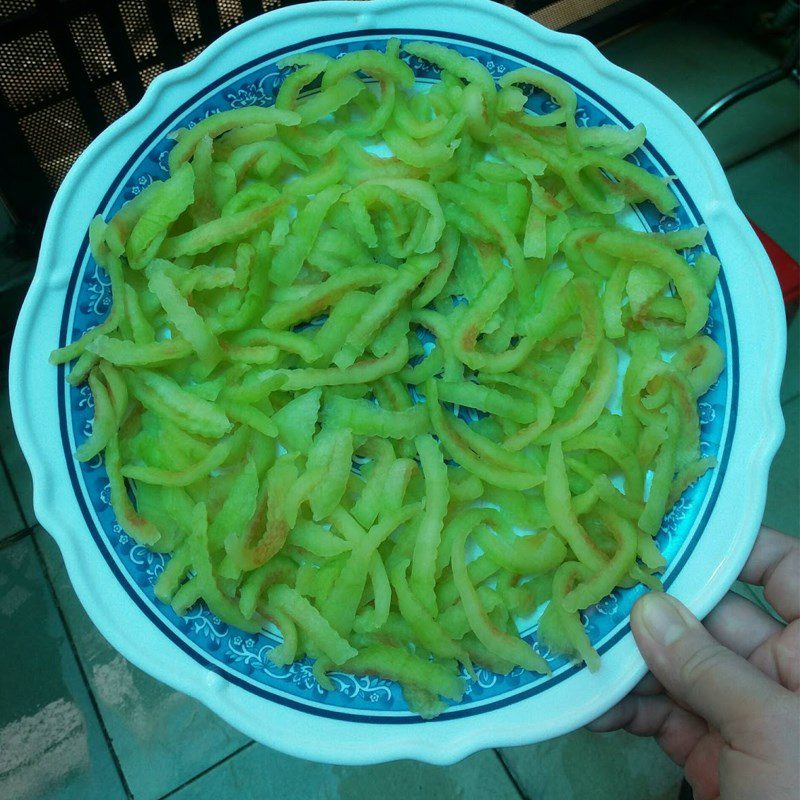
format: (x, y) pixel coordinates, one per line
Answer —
(661, 618)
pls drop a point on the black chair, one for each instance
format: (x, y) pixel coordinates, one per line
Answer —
(68, 68)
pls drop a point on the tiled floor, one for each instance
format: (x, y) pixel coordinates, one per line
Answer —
(92, 725)
(153, 729)
(51, 740)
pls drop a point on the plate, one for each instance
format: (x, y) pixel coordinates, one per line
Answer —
(706, 537)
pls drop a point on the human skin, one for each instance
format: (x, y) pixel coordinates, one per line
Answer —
(723, 697)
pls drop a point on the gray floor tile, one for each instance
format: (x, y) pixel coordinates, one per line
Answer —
(10, 519)
(15, 269)
(713, 59)
(592, 766)
(161, 737)
(51, 743)
(790, 388)
(756, 122)
(258, 773)
(783, 495)
(15, 461)
(694, 79)
(765, 187)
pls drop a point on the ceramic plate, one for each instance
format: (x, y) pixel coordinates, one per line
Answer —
(705, 538)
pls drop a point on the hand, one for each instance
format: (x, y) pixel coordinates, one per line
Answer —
(723, 700)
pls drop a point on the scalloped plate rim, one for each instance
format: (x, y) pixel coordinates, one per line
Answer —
(448, 740)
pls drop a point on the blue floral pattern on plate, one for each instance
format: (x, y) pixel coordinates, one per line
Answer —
(246, 656)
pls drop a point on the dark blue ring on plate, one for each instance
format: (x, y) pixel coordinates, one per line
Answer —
(102, 542)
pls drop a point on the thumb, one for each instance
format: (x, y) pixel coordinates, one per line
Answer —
(698, 672)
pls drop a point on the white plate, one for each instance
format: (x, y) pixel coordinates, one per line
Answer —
(706, 538)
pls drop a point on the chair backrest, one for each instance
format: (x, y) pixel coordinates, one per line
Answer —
(68, 68)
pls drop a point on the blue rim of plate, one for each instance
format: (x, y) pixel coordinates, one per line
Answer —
(480, 698)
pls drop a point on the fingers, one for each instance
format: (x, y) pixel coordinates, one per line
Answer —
(700, 673)
(775, 565)
(677, 731)
(779, 657)
(740, 625)
(647, 686)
